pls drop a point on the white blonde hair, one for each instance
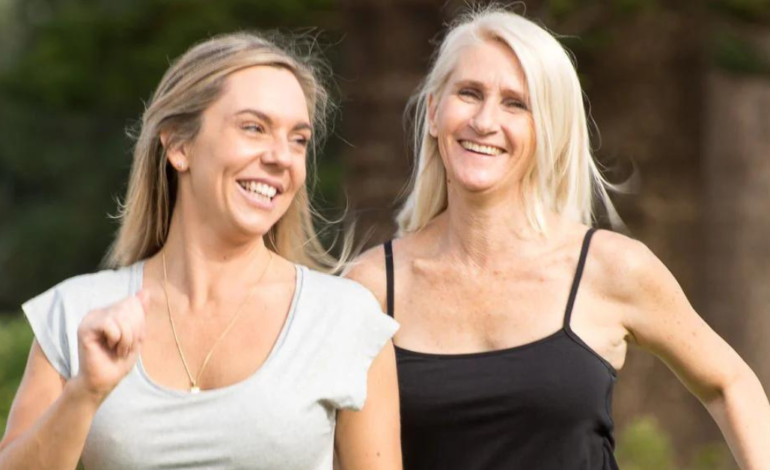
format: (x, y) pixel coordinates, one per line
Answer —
(563, 176)
(192, 84)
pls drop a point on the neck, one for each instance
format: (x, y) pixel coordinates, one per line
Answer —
(206, 268)
(478, 230)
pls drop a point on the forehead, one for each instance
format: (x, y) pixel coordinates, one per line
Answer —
(490, 62)
(272, 90)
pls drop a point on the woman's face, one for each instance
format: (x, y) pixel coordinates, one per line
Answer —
(248, 160)
(482, 121)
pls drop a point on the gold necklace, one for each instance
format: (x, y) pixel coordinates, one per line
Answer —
(194, 381)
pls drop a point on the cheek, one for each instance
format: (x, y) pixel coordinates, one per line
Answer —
(209, 161)
(444, 155)
(530, 139)
(522, 135)
(299, 173)
(448, 121)
(451, 116)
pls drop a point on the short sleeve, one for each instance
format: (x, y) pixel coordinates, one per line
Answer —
(56, 314)
(45, 314)
(369, 330)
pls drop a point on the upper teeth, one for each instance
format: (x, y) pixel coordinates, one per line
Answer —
(485, 149)
(259, 188)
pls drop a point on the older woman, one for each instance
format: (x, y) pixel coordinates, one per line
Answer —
(210, 345)
(515, 314)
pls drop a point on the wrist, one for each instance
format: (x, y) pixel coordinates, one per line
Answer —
(77, 391)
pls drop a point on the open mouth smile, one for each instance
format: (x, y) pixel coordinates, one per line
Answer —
(482, 149)
(260, 190)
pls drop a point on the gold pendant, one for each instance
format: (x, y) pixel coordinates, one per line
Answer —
(194, 389)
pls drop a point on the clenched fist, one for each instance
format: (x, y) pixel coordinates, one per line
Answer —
(109, 340)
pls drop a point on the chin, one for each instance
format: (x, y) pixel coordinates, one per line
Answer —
(477, 183)
(252, 228)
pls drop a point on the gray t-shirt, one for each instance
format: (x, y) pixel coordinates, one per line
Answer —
(282, 417)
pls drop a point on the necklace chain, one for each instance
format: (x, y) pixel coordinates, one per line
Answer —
(194, 381)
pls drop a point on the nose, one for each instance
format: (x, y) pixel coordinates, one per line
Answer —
(277, 153)
(484, 122)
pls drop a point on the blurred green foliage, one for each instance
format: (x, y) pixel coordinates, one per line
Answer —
(748, 10)
(80, 76)
(643, 445)
(563, 8)
(732, 53)
(15, 340)
(102, 56)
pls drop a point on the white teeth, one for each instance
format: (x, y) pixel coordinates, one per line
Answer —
(478, 148)
(260, 189)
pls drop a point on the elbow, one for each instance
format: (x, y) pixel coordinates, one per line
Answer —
(743, 386)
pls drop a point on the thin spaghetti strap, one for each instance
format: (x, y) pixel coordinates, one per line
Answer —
(389, 275)
(578, 276)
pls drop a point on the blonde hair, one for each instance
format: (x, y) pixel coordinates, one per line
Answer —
(192, 84)
(562, 177)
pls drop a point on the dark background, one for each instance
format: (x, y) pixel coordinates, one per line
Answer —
(680, 91)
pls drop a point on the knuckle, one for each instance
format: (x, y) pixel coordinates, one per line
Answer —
(111, 326)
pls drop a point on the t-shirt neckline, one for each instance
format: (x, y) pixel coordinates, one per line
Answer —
(137, 276)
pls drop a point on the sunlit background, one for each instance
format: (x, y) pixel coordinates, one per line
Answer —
(679, 90)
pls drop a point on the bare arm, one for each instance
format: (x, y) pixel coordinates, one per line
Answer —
(50, 419)
(369, 271)
(370, 439)
(659, 319)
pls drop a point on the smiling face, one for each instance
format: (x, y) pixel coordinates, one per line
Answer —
(482, 122)
(247, 162)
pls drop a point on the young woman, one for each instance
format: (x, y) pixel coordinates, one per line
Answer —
(210, 345)
(515, 314)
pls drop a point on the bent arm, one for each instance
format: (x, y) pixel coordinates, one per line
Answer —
(660, 319)
(49, 420)
(370, 439)
(742, 412)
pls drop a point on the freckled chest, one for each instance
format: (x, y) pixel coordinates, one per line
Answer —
(446, 308)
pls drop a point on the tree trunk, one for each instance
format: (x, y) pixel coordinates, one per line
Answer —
(386, 52)
(737, 156)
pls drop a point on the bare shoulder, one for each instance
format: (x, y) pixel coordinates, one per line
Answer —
(627, 273)
(369, 268)
(369, 271)
(626, 267)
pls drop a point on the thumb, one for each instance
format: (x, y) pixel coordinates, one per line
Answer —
(144, 298)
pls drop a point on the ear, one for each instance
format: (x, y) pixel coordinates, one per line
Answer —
(432, 104)
(176, 155)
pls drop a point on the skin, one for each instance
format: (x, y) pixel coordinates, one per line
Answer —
(478, 278)
(216, 257)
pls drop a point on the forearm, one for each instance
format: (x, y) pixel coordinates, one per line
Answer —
(743, 414)
(56, 440)
(368, 450)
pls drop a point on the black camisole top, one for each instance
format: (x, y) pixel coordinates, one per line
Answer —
(545, 405)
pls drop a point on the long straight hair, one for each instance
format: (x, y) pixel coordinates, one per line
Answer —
(190, 86)
(563, 176)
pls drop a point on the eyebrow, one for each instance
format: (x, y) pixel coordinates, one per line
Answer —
(506, 91)
(264, 117)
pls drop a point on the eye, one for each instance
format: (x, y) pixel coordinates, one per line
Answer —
(253, 127)
(513, 103)
(302, 141)
(470, 93)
